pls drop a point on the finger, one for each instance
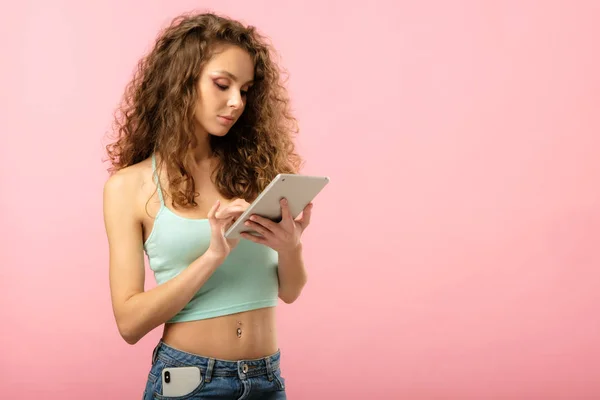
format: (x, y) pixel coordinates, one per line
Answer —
(259, 228)
(253, 238)
(228, 224)
(213, 210)
(230, 212)
(306, 214)
(238, 204)
(267, 223)
(286, 215)
(241, 202)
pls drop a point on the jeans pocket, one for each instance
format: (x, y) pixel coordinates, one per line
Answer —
(157, 388)
(148, 390)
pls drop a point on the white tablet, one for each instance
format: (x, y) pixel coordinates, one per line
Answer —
(299, 190)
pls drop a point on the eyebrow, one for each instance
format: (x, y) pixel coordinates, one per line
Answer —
(232, 76)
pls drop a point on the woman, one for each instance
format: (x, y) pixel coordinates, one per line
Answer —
(203, 128)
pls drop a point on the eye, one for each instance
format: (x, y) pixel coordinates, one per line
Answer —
(221, 87)
(244, 92)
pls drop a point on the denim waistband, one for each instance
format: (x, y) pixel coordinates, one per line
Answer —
(215, 367)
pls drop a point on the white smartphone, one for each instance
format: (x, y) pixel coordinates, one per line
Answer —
(179, 381)
(299, 190)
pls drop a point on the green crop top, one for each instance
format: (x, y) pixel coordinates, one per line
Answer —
(246, 280)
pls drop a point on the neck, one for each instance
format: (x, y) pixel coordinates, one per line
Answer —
(202, 151)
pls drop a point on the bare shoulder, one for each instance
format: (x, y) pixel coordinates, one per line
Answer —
(129, 187)
(129, 177)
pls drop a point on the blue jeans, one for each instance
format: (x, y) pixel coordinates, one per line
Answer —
(244, 379)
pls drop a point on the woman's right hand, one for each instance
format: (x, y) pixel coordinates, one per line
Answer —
(220, 220)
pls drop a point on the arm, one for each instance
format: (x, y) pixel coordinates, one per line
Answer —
(284, 237)
(138, 312)
(292, 274)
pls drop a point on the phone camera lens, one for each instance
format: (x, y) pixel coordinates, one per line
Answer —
(167, 377)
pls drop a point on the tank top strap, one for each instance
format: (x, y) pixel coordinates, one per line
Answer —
(157, 180)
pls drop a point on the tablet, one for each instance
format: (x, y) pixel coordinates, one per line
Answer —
(299, 190)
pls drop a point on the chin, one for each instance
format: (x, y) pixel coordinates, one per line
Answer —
(219, 131)
(213, 129)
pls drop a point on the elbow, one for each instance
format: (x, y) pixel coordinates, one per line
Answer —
(288, 299)
(130, 339)
(128, 333)
(291, 295)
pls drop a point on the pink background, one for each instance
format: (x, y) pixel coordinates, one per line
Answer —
(453, 256)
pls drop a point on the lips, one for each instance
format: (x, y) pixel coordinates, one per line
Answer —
(225, 120)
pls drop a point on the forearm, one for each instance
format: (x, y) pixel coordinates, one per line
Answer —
(292, 274)
(145, 311)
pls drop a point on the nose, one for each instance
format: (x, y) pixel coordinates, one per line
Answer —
(235, 101)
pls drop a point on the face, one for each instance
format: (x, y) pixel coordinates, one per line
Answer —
(222, 88)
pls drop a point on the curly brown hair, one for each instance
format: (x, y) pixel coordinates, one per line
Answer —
(157, 109)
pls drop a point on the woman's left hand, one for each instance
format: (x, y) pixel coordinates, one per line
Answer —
(280, 236)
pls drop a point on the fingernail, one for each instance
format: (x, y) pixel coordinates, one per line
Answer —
(253, 218)
(283, 201)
